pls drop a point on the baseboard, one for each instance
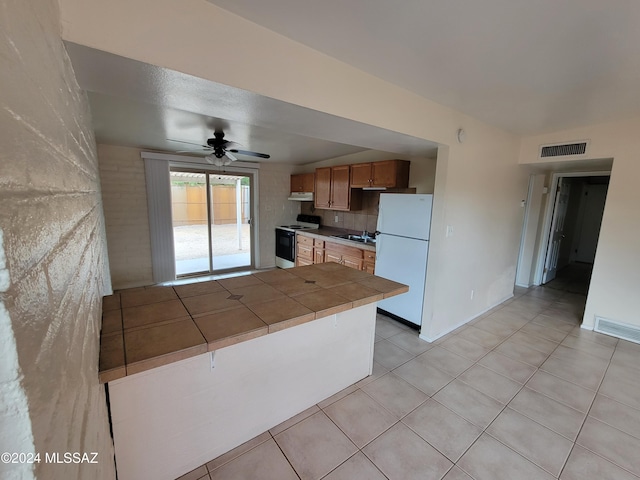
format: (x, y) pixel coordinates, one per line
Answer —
(464, 322)
(524, 286)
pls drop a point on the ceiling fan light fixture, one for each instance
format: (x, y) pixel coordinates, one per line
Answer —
(218, 161)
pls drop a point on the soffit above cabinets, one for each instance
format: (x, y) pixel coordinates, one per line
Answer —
(141, 105)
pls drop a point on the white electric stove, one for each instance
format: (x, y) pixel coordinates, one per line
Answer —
(286, 239)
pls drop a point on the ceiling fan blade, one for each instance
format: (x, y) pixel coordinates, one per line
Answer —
(193, 151)
(248, 153)
(231, 156)
(190, 143)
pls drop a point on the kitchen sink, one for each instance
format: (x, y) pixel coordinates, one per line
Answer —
(356, 238)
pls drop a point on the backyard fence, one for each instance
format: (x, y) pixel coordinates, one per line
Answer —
(189, 204)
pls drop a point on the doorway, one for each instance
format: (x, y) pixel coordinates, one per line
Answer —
(572, 238)
(211, 221)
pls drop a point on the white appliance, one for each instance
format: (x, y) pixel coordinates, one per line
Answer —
(402, 244)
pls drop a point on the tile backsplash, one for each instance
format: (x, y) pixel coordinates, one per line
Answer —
(364, 219)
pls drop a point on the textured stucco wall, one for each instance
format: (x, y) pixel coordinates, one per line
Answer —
(53, 257)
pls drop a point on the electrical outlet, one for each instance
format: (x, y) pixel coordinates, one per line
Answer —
(471, 295)
(335, 219)
(449, 231)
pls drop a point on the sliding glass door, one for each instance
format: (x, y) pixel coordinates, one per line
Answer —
(211, 221)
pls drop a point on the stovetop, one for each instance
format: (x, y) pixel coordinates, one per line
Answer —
(304, 222)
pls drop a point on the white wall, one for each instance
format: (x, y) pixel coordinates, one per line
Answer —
(53, 257)
(478, 185)
(615, 280)
(531, 232)
(478, 192)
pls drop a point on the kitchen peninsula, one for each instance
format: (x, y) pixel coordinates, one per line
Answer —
(195, 370)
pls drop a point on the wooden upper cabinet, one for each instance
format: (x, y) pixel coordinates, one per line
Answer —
(340, 188)
(302, 182)
(385, 174)
(322, 195)
(361, 175)
(390, 174)
(333, 190)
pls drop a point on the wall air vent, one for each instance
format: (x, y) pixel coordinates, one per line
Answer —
(563, 149)
(617, 329)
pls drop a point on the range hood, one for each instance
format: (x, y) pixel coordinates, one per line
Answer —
(301, 196)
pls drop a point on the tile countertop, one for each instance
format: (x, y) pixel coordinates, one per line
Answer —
(326, 233)
(146, 327)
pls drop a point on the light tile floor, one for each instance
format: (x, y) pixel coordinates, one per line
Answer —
(519, 393)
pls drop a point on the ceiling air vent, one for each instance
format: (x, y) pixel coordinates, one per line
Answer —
(563, 149)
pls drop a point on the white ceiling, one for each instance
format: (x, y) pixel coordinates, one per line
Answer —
(528, 66)
(141, 105)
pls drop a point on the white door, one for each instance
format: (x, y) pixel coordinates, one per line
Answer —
(557, 231)
(403, 260)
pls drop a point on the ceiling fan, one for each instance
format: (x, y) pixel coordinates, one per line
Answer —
(219, 147)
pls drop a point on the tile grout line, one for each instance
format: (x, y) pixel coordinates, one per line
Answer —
(574, 442)
(587, 417)
(484, 431)
(284, 454)
(414, 356)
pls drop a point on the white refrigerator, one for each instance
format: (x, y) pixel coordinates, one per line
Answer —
(402, 245)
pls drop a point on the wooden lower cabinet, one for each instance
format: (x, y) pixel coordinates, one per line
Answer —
(352, 262)
(348, 256)
(369, 262)
(318, 251)
(330, 256)
(304, 251)
(313, 250)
